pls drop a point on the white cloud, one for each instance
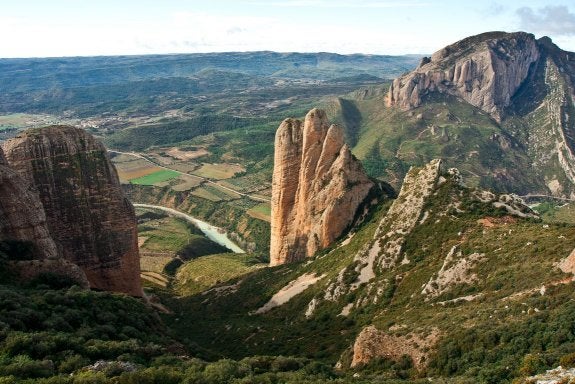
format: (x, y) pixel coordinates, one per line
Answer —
(553, 20)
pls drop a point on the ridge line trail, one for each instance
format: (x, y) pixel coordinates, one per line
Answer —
(547, 196)
(141, 156)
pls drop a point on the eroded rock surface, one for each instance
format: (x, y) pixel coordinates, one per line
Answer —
(317, 187)
(372, 343)
(86, 211)
(22, 216)
(484, 70)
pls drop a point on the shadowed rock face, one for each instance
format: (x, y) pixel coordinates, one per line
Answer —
(484, 70)
(86, 210)
(22, 216)
(317, 187)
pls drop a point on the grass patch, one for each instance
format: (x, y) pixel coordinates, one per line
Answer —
(203, 273)
(168, 234)
(156, 177)
(218, 171)
(556, 213)
(261, 211)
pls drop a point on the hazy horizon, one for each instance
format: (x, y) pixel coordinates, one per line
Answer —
(72, 28)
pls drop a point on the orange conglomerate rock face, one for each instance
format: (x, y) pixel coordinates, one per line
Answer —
(317, 187)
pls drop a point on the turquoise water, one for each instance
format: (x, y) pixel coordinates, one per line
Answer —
(212, 232)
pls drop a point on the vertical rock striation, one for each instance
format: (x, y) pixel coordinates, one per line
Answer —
(485, 70)
(86, 210)
(317, 187)
(22, 216)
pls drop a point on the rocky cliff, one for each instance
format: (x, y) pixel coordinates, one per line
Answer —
(317, 187)
(22, 216)
(526, 86)
(546, 106)
(484, 70)
(86, 211)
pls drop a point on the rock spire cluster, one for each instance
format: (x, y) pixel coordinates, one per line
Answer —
(317, 187)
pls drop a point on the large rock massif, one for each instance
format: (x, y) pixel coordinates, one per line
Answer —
(87, 213)
(317, 187)
(484, 70)
(526, 85)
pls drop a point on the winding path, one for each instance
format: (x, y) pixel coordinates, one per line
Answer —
(529, 195)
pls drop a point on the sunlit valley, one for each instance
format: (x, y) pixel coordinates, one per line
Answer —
(264, 217)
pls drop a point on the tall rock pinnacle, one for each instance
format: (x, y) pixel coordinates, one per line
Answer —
(86, 210)
(317, 187)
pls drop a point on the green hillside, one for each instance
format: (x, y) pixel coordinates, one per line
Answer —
(484, 322)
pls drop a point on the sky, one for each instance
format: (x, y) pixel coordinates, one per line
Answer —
(53, 28)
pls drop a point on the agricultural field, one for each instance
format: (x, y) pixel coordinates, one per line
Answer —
(130, 167)
(165, 242)
(162, 234)
(161, 158)
(214, 193)
(187, 153)
(156, 178)
(25, 120)
(184, 167)
(261, 211)
(187, 182)
(218, 171)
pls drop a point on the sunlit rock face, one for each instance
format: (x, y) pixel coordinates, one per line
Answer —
(317, 187)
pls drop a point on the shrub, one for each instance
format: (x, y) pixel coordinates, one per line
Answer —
(72, 363)
(568, 361)
(49, 280)
(223, 371)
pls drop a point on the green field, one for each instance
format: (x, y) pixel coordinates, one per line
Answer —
(261, 211)
(200, 274)
(156, 177)
(556, 212)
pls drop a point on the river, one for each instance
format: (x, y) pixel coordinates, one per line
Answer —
(213, 233)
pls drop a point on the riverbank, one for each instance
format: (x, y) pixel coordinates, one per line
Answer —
(212, 232)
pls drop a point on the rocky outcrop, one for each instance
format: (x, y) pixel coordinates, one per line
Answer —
(22, 217)
(484, 70)
(405, 212)
(508, 74)
(372, 343)
(384, 251)
(86, 210)
(317, 187)
(27, 270)
(552, 376)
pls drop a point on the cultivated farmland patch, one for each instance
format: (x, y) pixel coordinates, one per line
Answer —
(218, 171)
(156, 177)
